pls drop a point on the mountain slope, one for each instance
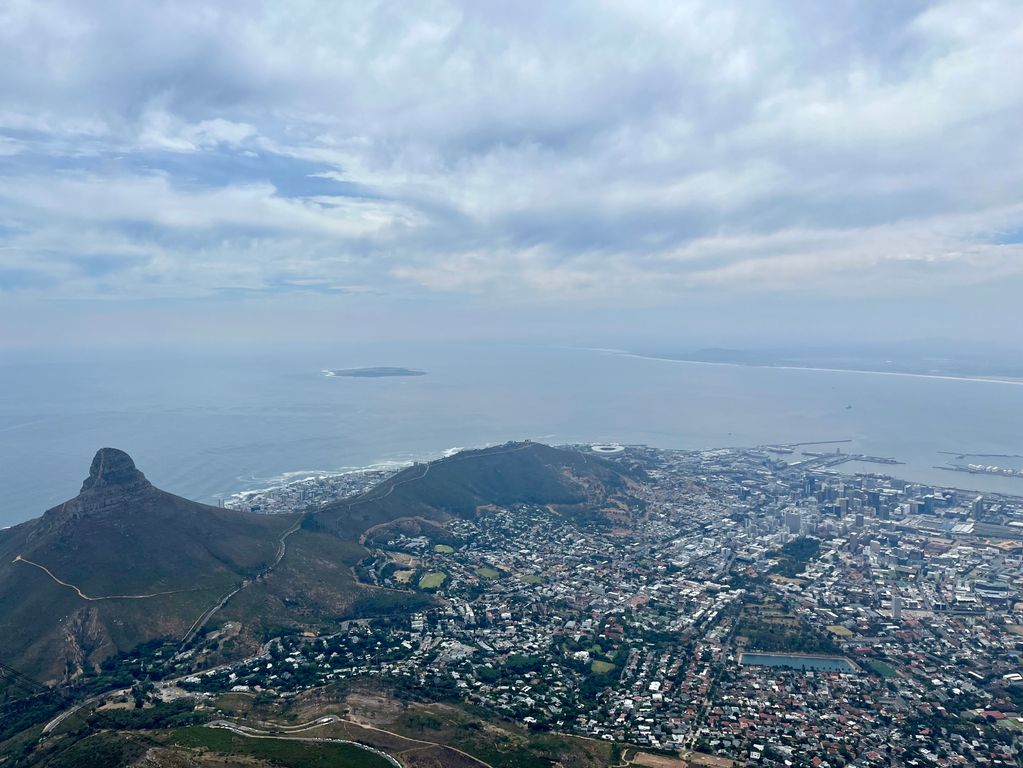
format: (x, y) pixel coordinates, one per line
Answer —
(315, 585)
(514, 473)
(121, 563)
(124, 563)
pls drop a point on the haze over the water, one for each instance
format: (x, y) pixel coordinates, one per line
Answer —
(833, 183)
(208, 425)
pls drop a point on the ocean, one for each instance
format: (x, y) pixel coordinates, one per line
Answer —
(207, 425)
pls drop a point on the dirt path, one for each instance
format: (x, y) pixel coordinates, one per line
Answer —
(426, 744)
(414, 519)
(205, 616)
(81, 594)
(246, 730)
(366, 498)
(253, 733)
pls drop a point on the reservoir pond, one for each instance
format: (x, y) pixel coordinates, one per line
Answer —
(795, 661)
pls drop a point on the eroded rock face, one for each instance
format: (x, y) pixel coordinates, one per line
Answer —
(113, 484)
(112, 468)
(84, 636)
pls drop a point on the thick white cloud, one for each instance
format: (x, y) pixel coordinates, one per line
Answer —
(510, 150)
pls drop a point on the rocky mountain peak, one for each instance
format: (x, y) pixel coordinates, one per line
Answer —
(112, 468)
(114, 486)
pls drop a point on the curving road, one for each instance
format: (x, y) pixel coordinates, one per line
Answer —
(254, 733)
(264, 652)
(247, 730)
(205, 616)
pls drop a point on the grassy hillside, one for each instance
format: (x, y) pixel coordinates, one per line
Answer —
(405, 727)
(312, 590)
(197, 747)
(314, 587)
(158, 542)
(136, 564)
(457, 486)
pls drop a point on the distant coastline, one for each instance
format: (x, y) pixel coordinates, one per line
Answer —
(824, 369)
(380, 372)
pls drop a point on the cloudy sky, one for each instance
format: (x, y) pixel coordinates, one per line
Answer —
(711, 171)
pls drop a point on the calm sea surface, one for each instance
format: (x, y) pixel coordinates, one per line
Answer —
(205, 426)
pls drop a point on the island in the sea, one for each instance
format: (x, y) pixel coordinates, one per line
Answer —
(381, 372)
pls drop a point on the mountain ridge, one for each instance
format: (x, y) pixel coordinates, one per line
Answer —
(72, 580)
(124, 563)
(456, 486)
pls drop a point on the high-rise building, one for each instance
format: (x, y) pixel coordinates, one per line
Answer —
(794, 521)
(809, 485)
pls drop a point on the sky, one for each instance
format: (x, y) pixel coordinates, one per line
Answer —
(681, 172)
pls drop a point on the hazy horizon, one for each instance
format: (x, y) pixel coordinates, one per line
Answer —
(681, 340)
(205, 425)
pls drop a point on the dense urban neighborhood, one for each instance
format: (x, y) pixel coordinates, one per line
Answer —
(754, 605)
(473, 384)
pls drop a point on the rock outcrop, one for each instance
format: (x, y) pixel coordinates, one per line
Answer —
(114, 484)
(114, 469)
